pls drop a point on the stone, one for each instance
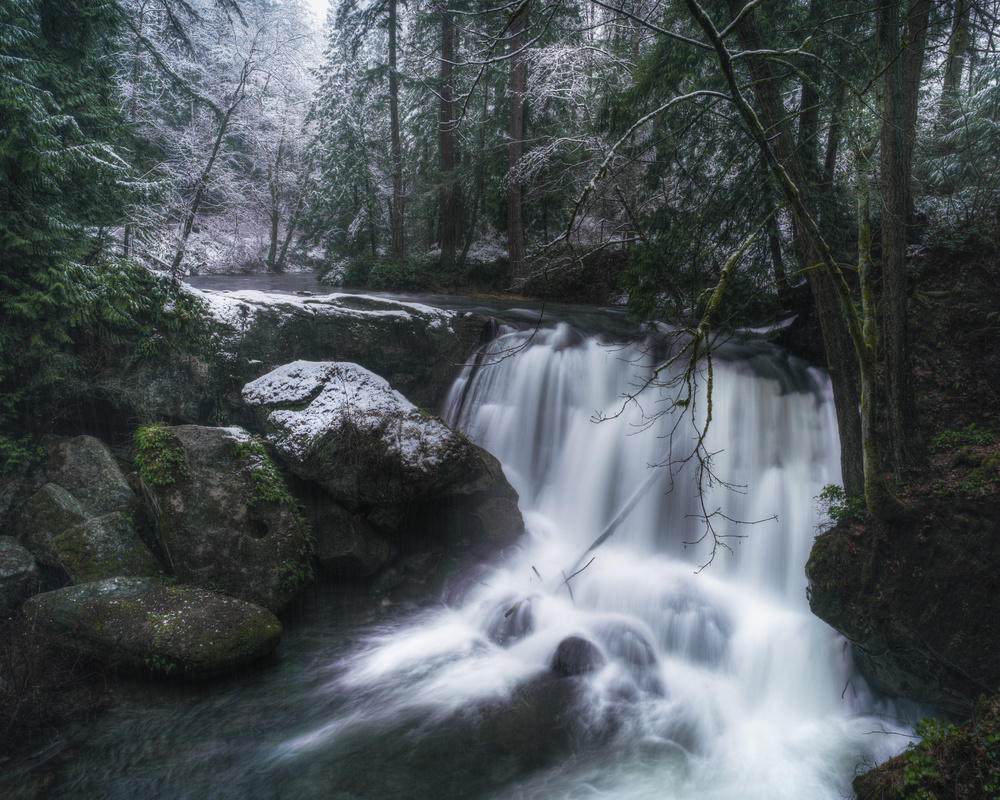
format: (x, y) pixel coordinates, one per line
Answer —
(85, 467)
(344, 428)
(102, 547)
(47, 513)
(918, 598)
(576, 656)
(346, 546)
(227, 521)
(143, 625)
(18, 573)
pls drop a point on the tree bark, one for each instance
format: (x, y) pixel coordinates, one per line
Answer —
(893, 181)
(515, 150)
(842, 359)
(954, 65)
(448, 233)
(396, 154)
(913, 62)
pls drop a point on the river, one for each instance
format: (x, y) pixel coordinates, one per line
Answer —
(682, 680)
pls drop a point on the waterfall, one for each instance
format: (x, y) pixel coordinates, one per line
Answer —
(677, 675)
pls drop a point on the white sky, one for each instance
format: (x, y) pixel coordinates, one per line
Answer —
(319, 9)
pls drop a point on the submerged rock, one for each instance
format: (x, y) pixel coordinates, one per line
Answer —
(576, 656)
(18, 573)
(226, 519)
(140, 624)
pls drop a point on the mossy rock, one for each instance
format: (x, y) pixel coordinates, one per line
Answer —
(918, 598)
(18, 573)
(961, 762)
(142, 625)
(103, 547)
(227, 522)
(47, 513)
(85, 467)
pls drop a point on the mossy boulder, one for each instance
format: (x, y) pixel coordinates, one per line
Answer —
(47, 513)
(85, 467)
(18, 573)
(225, 518)
(949, 761)
(344, 428)
(142, 625)
(102, 547)
(918, 598)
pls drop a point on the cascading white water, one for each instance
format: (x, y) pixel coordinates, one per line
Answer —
(711, 683)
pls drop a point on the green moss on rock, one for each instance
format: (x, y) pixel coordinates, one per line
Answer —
(144, 625)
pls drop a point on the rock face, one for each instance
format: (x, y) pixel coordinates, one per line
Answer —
(417, 348)
(140, 624)
(85, 468)
(226, 519)
(49, 512)
(18, 573)
(343, 428)
(919, 600)
(102, 547)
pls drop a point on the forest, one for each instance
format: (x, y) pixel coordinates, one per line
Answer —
(827, 170)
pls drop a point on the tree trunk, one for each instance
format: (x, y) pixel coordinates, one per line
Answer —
(842, 359)
(396, 155)
(448, 229)
(199, 193)
(913, 62)
(893, 181)
(954, 65)
(515, 151)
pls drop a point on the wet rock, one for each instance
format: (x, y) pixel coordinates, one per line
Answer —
(85, 467)
(49, 512)
(628, 644)
(918, 599)
(514, 620)
(576, 656)
(140, 624)
(103, 547)
(347, 546)
(344, 428)
(227, 521)
(18, 573)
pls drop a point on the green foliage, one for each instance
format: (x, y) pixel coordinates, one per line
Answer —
(267, 485)
(834, 502)
(385, 272)
(158, 455)
(961, 760)
(972, 435)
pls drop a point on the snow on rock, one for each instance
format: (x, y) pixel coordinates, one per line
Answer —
(336, 394)
(344, 428)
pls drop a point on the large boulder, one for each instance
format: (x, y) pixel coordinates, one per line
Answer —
(345, 429)
(140, 624)
(419, 349)
(918, 598)
(346, 545)
(223, 514)
(18, 573)
(85, 467)
(102, 547)
(47, 513)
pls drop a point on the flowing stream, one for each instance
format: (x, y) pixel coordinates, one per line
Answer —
(682, 682)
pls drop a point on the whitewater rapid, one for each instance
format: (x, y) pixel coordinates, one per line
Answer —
(708, 677)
